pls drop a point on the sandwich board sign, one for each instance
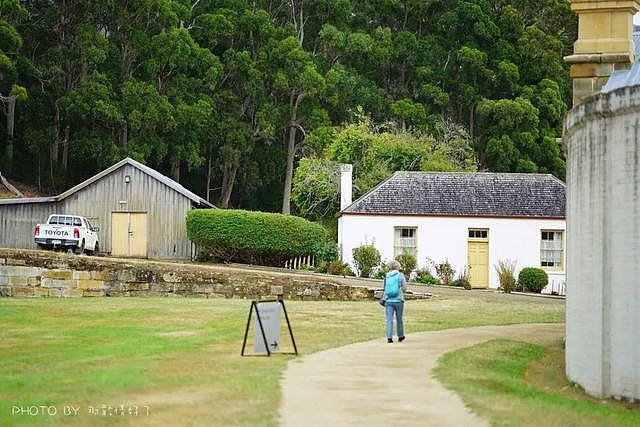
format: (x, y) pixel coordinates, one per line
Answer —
(267, 327)
(270, 319)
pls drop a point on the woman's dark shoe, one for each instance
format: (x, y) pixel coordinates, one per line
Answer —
(400, 339)
(389, 340)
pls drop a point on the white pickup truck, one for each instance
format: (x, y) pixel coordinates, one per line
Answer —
(67, 232)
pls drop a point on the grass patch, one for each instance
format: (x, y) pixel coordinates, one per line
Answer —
(494, 379)
(181, 357)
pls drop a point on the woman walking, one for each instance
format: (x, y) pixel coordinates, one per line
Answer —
(395, 285)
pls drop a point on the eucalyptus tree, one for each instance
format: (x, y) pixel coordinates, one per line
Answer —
(12, 63)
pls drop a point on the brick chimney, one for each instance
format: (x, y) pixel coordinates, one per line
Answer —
(604, 44)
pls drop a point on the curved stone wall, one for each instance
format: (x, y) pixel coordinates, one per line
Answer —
(602, 141)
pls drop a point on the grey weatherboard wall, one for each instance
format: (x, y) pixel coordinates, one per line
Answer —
(166, 210)
(17, 221)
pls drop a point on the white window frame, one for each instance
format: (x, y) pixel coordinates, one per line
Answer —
(401, 244)
(548, 249)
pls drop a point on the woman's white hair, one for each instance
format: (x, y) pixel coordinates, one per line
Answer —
(394, 265)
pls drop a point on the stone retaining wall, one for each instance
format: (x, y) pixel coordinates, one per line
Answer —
(26, 273)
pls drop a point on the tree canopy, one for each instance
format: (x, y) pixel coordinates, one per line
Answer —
(231, 97)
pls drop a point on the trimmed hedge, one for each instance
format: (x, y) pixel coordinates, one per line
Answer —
(533, 279)
(254, 237)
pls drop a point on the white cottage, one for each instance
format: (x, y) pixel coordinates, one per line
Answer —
(473, 220)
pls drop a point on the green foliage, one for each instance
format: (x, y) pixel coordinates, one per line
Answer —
(426, 278)
(533, 279)
(254, 237)
(339, 268)
(315, 188)
(407, 262)
(381, 271)
(366, 258)
(445, 272)
(462, 280)
(375, 154)
(327, 252)
(505, 270)
(228, 97)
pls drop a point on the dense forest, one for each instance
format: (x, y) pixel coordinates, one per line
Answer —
(253, 102)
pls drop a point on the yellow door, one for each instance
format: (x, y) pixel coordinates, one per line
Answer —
(138, 235)
(129, 234)
(120, 233)
(479, 264)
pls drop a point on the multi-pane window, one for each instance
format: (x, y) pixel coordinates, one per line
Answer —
(475, 233)
(551, 249)
(405, 241)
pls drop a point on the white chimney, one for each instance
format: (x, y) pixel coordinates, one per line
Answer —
(346, 182)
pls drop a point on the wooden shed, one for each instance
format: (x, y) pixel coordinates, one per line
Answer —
(140, 212)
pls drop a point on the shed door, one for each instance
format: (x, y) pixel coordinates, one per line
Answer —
(129, 234)
(478, 257)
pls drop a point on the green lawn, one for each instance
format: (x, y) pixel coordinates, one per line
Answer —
(519, 384)
(181, 357)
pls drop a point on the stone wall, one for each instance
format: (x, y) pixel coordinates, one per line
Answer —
(27, 273)
(602, 138)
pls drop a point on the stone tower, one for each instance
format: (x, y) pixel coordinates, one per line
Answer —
(602, 141)
(604, 43)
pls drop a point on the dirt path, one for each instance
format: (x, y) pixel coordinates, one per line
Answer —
(378, 384)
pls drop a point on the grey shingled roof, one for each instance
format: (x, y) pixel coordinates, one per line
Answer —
(465, 194)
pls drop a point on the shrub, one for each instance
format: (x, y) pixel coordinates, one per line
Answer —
(339, 268)
(327, 253)
(462, 280)
(445, 272)
(381, 271)
(505, 270)
(408, 262)
(366, 258)
(254, 237)
(424, 276)
(533, 279)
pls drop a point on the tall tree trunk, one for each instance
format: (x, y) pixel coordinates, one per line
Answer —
(288, 178)
(124, 136)
(208, 186)
(291, 152)
(228, 181)
(11, 111)
(65, 148)
(53, 155)
(175, 170)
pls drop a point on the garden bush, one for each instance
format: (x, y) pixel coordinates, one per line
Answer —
(445, 272)
(339, 268)
(505, 270)
(366, 259)
(426, 278)
(462, 280)
(407, 262)
(327, 253)
(254, 237)
(533, 279)
(381, 271)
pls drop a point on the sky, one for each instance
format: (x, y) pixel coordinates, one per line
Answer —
(636, 19)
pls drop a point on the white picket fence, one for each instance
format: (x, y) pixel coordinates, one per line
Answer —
(296, 263)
